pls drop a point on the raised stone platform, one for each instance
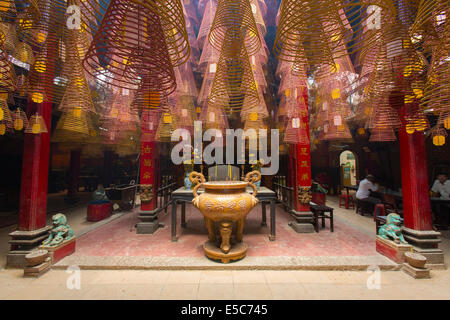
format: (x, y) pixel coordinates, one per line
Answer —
(249, 263)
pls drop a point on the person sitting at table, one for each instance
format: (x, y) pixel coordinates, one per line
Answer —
(364, 188)
(441, 187)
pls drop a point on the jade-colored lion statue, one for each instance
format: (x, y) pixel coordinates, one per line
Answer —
(391, 230)
(61, 231)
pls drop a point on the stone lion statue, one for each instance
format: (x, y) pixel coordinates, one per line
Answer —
(391, 230)
(61, 231)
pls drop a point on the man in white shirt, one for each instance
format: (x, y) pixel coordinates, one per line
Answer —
(441, 187)
(364, 188)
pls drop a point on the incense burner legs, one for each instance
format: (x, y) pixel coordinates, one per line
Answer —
(223, 205)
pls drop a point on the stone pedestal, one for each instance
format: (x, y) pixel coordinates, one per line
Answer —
(392, 250)
(61, 251)
(22, 243)
(98, 211)
(416, 273)
(303, 222)
(426, 243)
(149, 222)
(39, 270)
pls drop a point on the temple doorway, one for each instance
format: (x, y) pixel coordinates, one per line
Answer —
(347, 163)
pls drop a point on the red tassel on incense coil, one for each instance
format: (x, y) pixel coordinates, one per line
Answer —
(232, 17)
(207, 20)
(382, 135)
(210, 55)
(131, 43)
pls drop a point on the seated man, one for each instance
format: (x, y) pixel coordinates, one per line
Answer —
(364, 188)
(441, 186)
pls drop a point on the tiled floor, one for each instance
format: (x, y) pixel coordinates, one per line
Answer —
(230, 284)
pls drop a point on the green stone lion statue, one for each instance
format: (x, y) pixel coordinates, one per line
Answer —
(391, 230)
(61, 231)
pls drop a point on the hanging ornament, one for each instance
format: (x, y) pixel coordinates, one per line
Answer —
(36, 125)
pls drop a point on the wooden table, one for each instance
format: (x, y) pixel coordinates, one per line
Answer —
(181, 196)
(351, 188)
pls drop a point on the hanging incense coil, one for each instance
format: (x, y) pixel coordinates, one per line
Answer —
(209, 56)
(234, 24)
(11, 10)
(77, 97)
(20, 120)
(6, 123)
(207, 20)
(24, 53)
(208, 79)
(8, 38)
(149, 121)
(382, 135)
(430, 22)
(168, 123)
(438, 136)
(234, 82)
(72, 127)
(130, 50)
(338, 27)
(169, 14)
(36, 124)
(257, 14)
(185, 81)
(50, 25)
(7, 74)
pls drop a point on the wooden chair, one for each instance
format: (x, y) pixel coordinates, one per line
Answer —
(322, 212)
(391, 204)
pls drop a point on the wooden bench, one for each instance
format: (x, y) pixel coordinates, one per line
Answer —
(321, 212)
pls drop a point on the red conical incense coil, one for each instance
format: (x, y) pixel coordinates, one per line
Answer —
(169, 13)
(210, 55)
(185, 81)
(382, 135)
(7, 74)
(130, 49)
(149, 122)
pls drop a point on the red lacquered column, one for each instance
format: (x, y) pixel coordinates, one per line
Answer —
(417, 228)
(148, 179)
(301, 153)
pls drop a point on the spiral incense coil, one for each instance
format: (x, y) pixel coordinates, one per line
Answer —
(149, 121)
(24, 53)
(20, 120)
(257, 14)
(436, 95)
(185, 81)
(382, 135)
(431, 21)
(6, 123)
(72, 126)
(338, 27)
(130, 50)
(77, 97)
(208, 79)
(11, 10)
(209, 56)
(50, 25)
(333, 131)
(214, 117)
(234, 82)
(207, 20)
(168, 123)
(234, 24)
(7, 74)
(438, 136)
(36, 124)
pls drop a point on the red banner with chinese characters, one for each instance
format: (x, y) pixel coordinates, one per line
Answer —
(148, 176)
(303, 151)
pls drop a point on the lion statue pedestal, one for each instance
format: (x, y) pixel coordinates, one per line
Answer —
(390, 241)
(61, 240)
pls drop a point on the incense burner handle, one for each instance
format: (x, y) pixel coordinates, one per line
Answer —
(197, 179)
(251, 179)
